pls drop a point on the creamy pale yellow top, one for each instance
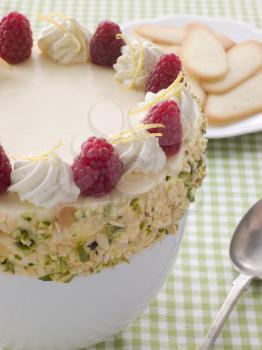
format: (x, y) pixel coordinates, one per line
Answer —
(43, 102)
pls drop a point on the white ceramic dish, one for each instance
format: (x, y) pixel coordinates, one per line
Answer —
(236, 30)
(37, 315)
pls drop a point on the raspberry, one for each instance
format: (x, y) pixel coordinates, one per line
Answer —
(15, 38)
(164, 73)
(5, 171)
(168, 114)
(105, 48)
(97, 168)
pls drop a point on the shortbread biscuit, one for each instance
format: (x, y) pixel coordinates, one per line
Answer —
(174, 35)
(244, 59)
(170, 48)
(243, 101)
(202, 54)
(161, 34)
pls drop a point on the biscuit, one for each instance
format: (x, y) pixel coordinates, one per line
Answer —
(174, 35)
(202, 54)
(244, 59)
(170, 48)
(161, 34)
(241, 102)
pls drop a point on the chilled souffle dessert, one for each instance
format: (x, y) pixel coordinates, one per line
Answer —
(101, 151)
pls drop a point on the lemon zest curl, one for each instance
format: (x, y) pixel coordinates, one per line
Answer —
(43, 156)
(136, 134)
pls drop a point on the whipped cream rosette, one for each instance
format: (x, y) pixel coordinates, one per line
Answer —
(136, 62)
(142, 158)
(65, 41)
(143, 155)
(46, 182)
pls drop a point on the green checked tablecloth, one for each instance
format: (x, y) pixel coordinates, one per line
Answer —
(181, 315)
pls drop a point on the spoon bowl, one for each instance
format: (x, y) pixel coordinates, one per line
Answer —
(246, 244)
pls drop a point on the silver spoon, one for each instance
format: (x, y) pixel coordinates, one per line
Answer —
(246, 255)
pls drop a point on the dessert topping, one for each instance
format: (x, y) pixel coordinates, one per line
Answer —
(143, 155)
(164, 73)
(45, 181)
(15, 38)
(168, 114)
(189, 108)
(142, 158)
(64, 40)
(5, 170)
(173, 90)
(135, 134)
(136, 62)
(97, 168)
(105, 47)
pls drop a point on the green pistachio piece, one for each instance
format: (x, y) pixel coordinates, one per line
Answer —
(42, 226)
(113, 231)
(17, 257)
(46, 278)
(25, 239)
(23, 247)
(83, 253)
(62, 277)
(199, 163)
(43, 234)
(46, 222)
(191, 194)
(191, 162)
(107, 209)
(16, 234)
(27, 216)
(63, 264)
(183, 175)
(148, 230)
(48, 260)
(168, 177)
(142, 224)
(136, 206)
(8, 266)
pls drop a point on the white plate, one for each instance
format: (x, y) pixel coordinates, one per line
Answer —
(236, 30)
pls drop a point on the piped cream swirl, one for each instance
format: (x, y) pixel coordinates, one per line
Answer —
(65, 41)
(143, 161)
(45, 183)
(124, 66)
(142, 156)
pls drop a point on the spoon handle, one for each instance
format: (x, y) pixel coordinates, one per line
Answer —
(240, 284)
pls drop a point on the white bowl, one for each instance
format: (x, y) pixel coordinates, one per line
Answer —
(37, 315)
